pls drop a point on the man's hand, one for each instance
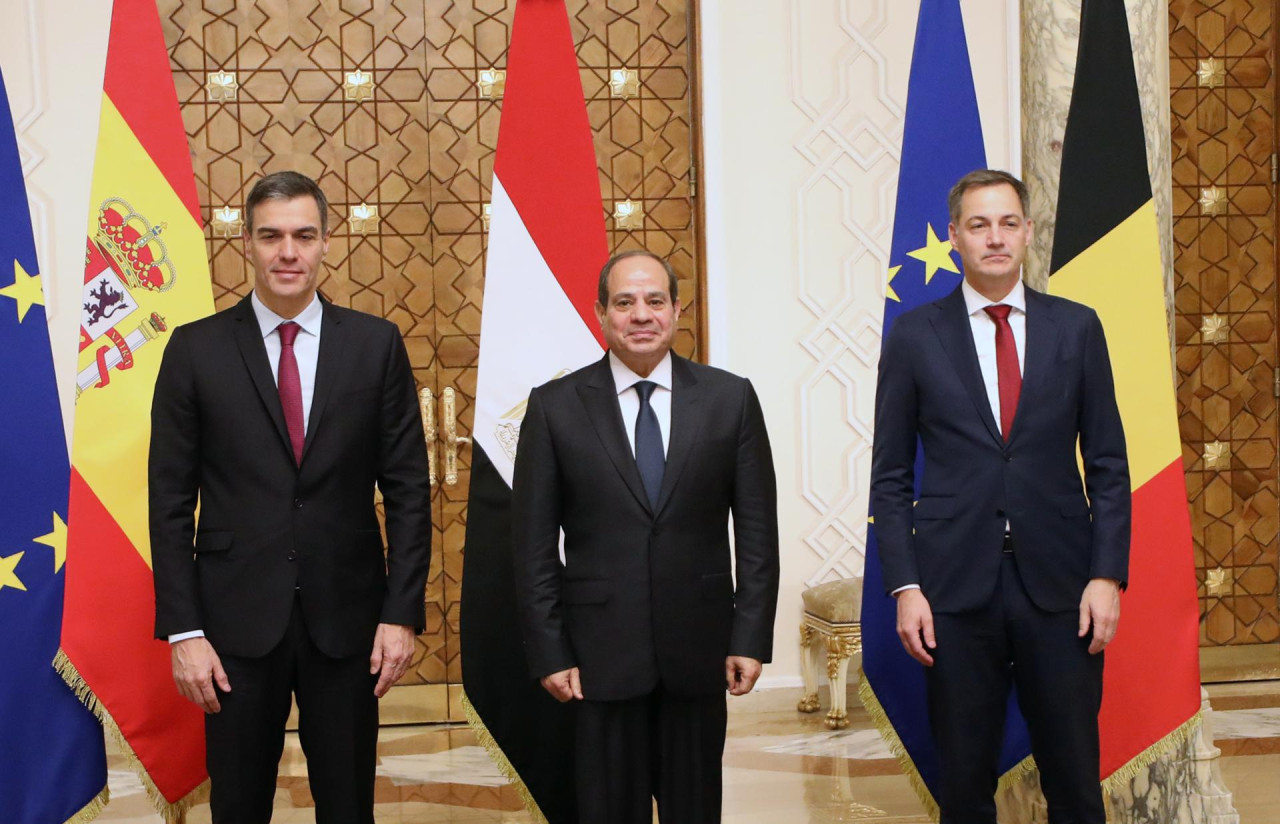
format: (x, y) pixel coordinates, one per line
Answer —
(915, 625)
(1100, 606)
(392, 651)
(563, 685)
(740, 673)
(196, 668)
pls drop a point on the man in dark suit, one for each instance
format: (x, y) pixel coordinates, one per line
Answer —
(278, 417)
(1007, 569)
(640, 458)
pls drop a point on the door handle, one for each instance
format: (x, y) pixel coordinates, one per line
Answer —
(427, 406)
(451, 439)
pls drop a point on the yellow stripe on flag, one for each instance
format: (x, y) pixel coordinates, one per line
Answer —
(1121, 278)
(113, 422)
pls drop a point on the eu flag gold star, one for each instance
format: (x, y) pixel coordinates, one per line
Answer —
(8, 575)
(57, 541)
(25, 289)
(888, 287)
(935, 254)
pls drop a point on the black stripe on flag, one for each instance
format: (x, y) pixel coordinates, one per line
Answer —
(534, 731)
(1104, 159)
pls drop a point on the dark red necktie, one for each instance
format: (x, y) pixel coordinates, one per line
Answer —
(1009, 375)
(290, 386)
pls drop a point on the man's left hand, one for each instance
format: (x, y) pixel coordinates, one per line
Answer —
(740, 673)
(1100, 607)
(392, 651)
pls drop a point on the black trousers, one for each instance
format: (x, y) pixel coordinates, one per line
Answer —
(659, 746)
(979, 654)
(337, 726)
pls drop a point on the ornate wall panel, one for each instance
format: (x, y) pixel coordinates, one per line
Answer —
(381, 101)
(1223, 104)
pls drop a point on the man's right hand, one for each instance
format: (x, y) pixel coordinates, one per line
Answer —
(563, 685)
(196, 668)
(915, 625)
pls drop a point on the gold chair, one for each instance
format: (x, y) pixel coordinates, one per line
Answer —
(831, 622)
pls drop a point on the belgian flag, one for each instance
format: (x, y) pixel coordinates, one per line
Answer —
(1106, 254)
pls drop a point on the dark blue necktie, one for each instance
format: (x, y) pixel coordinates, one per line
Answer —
(651, 460)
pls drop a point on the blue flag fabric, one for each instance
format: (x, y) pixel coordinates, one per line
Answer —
(941, 142)
(52, 760)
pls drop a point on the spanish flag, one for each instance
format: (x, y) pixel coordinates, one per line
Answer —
(1106, 254)
(146, 271)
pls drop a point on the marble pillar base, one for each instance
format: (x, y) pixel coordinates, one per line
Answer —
(1184, 787)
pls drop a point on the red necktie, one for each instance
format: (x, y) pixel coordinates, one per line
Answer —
(1009, 375)
(290, 386)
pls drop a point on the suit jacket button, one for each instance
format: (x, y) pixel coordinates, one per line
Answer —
(297, 503)
(999, 513)
(293, 556)
(1007, 457)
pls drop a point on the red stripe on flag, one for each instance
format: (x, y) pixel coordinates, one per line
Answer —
(140, 84)
(108, 633)
(545, 157)
(1151, 682)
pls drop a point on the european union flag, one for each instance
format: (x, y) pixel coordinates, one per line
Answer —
(52, 761)
(941, 142)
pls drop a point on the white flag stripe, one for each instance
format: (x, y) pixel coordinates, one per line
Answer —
(529, 332)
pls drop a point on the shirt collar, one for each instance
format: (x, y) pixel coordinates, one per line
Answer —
(975, 302)
(624, 378)
(308, 319)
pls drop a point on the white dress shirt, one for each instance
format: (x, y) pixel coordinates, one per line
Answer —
(629, 401)
(306, 350)
(984, 336)
(306, 346)
(984, 339)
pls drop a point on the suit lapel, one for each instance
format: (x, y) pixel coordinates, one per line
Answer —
(330, 366)
(1037, 361)
(951, 323)
(686, 423)
(600, 398)
(254, 352)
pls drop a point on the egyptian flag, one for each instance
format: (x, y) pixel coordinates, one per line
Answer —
(1106, 255)
(53, 767)
(546, 246)
(146, 271)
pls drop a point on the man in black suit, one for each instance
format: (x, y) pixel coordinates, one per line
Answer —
(1008, 569)
(278, 417)
(640, 458)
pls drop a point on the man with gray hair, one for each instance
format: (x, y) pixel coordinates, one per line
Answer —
(640, 458)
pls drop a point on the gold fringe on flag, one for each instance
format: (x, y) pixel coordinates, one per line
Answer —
(890, 736)
(1114, 783)
(1174, 741)
(500, 760)
(171, 812)
(91, 810)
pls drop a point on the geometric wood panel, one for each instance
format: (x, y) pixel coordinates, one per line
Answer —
(1223, 119)
(419, 149)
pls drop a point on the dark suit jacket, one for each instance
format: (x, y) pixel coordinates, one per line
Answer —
(647, 593)
(267, 525)
(930, 390)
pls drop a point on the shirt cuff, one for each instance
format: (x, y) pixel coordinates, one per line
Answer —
(182, 636)
(895, 592)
